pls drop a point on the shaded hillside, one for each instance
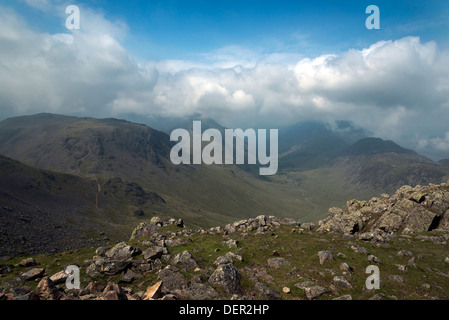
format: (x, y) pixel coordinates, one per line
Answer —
(105, 149)
(86, 146)
(384, 166)
(45, 211)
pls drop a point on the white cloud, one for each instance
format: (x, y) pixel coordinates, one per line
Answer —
(397, 89)
(438, 143)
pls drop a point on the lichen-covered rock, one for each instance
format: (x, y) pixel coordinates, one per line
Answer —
(185, 260)
(227, 277)
(154, 252)
(172, 280)
(418, 209)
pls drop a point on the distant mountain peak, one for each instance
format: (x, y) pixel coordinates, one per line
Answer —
(370, 146)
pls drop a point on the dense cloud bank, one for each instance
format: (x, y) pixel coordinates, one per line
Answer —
(398, 89)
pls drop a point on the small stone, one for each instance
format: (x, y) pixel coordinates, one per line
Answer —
(402, 268)
(231, 243)
(374, 259)
(314, 292)
(222, 260)
(325, 256)
(286, 290)
(404, 253)
(426, 286)
(304, 284)
(267, 292)
(345, 297)
(93, 288)
(359, 249)
(101, 251)
(378, 296)
(130, 276)
(412, 263)
(397, 278)
(344, 267)
(277, 263)
(341, 282)
(29, 262)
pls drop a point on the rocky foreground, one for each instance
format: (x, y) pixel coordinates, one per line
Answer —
(405, 235)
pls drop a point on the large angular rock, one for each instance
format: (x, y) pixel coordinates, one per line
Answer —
(93, 288)
(113, 292)
(107, 266)
(154, 252)
(147, 229)
(172, 280)
(185, 260)
(122, 251)
(59, 277)
(418, 209)
(33, 274)
(153, 292)
(227, 277)
(47, 290)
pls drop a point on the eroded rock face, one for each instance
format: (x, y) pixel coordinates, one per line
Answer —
(422, 208)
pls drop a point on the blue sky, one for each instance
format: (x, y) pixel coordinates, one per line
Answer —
(180, 29)
(243, 63)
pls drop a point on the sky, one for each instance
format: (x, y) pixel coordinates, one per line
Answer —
(243, 63)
